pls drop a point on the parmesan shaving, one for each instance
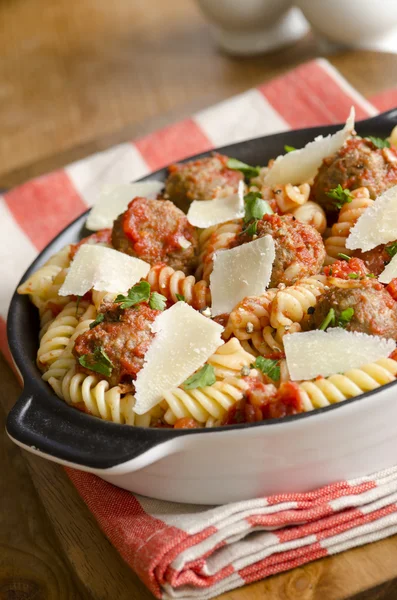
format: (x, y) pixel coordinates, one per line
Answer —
(314, 353)
(104, 270)
(302, 165)
(240, 272)
(390, 272)
(220, 210)
(184, 341)
(114, 200)
(377, 225)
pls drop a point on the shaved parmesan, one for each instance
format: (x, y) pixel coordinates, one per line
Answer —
(324, 353)
(114, 200)
(184, 341)
(104, 270)
(240, 272)
(302, 165)
(377, 225)
(212, 212)
(390, 272)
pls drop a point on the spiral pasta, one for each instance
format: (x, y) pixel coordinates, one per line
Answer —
(229, 359)
(212, 239)
(291, 303)
(336, 388)
(348, 216)
(251, 315)
(312, 214)
(169, 282)
(288, 197)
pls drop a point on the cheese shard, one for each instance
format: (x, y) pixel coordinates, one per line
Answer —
(377, 225)
(390, 272)
(184, 340)
(220, 210)
(114, 200)
(336, 350)
(240, 272)
(104, 270)
(302, 165)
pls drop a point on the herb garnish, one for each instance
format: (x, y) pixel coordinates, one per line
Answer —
(180, 298)
(345, 317)
(340, 196)
(289, 148)
(329, 320)
(344, 256)
(204, 377)
(392, 249)
(100, 317)
(238, 165)
(353, 275)
(98, 362)
(141, 293)
(370, 275)
(268, 366)
(378, 142)
(77, 305)
(255, 208)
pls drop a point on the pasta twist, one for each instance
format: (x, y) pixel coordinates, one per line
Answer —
(336, 388)
(95, 396)
(288, 197)
(348, 216)
(212, 239)
(312, 214)
(229, 359)
(291, 304)
(251, 315)
(169, 282)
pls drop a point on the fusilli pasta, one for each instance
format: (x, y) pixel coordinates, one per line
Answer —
(169, 282)
(250, 316)
(211, 240)
(312, 214)
(291, 303)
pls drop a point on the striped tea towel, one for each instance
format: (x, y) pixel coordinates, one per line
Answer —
(185, 551)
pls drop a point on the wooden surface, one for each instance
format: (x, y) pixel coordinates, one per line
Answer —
(77, 76)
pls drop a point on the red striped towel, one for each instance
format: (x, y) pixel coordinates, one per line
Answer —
(186, 551)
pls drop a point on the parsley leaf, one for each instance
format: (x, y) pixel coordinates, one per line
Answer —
(289, 148)
(329, 320)
(251, 229)
(345, 317)
(238, 165)
(180, 298)
(392, 249)
(157, 301)
(98, 362)
(138, 293)
(204, 377)
(255, 206)
(100, 317)
(340, 196)
(353, 275)
(343, 256)
(378, 142)
(268, 366)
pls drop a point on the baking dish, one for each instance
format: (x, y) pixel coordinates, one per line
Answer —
(208, 466)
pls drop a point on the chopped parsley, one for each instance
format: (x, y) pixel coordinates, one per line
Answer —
(289, 148)
(268, 366)
(329, 320)
(353, 275)
(204, 377)
(378, 142)
(98, 362)
(157, 301)
(141, 293)
(77, 305)
(180, 298)
(392, 249)
(370, 275)
(340, 196)
(345, 317)
(100, 317)
(255, 208)
(343, 256)
(247, 170)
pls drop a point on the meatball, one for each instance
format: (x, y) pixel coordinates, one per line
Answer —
(299, 247)
(377, 258)
(375, 311)
(122, 338)
(359, 163)
(157, 232)
(201, 179)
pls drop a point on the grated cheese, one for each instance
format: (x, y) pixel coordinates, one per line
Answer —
(184, 341)
(220, 210)
(336, 350)
(302, 165)
(240, 272)
(102, 269)
(377, 225)
(114, 200)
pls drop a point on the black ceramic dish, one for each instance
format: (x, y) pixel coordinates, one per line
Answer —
(41, 420)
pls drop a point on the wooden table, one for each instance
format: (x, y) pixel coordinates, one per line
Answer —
(76, 77)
